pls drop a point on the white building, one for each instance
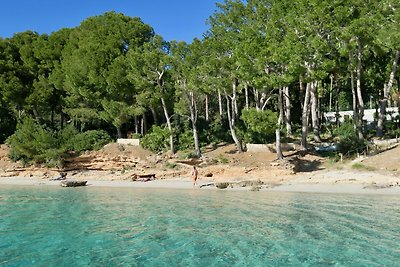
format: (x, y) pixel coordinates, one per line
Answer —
(369, 115)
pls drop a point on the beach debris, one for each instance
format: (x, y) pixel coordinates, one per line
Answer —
(247, 170)
(205, 185)
(143, 177)
(73, 183)
(255, 188)
(250, 183)
(61, 176)
(381, 186)
(223, 185)
(327, 148)
(9, 173)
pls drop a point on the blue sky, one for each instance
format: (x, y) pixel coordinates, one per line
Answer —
(180, 20)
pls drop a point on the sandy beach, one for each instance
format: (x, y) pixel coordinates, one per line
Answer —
(323, 182)
(111, 167)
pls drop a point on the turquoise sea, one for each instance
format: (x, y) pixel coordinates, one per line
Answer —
(51, 226)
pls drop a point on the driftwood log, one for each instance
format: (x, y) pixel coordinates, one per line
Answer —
(73, 183)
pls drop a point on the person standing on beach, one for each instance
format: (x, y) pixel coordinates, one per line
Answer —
(194, 176)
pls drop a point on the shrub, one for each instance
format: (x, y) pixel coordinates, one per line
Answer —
(260, 125)
(223, 159)
(33, 143)
(89, 140)
(359, 166)
(187, 155)
(185, 140)
(72, 140)
(157, 140)
(66, 137)
(392, 128)
(217, 133)
(170, 165)
(349, 143)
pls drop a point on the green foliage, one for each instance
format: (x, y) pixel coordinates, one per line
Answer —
(77, 142)
(170, 165)
(7, 124)
(113, 68)
(91, 140)
(359, 166)
(188, 155)
(344, 101)
(222, 159)
(260, 126)
(95, 68)
(157, 140)
(345, 129)
(116, 112)
(217, 133)
(34, 144)
(349, 143)
(185, 139)
(393, 127)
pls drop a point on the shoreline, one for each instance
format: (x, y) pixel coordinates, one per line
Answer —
(111, 167)
(185, 183)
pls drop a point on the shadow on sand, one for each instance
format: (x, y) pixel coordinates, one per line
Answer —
(305, 165)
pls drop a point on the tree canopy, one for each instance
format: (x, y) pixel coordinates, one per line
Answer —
(262, 65)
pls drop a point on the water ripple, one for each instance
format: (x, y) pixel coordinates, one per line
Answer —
(132, 227)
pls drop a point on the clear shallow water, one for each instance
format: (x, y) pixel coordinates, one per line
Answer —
(48, 226)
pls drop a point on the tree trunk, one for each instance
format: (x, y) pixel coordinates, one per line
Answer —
(119, 132)
(330, 94)
(220, 105)
(196, 141)
(155, 117)
(314, 111)
(359, 95)
(353, 93)
(193, 118)
(143, 127)
(386, 93)
(168, 120)
(246, 95)
(232, 121)
(256, 94)
(136, 125)
(264, 100)
(301, 87)
(319, 101)
(337, 115)
(288, 105)
(278, 146)
(304, 117)
(235, 110)
(207, 109)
